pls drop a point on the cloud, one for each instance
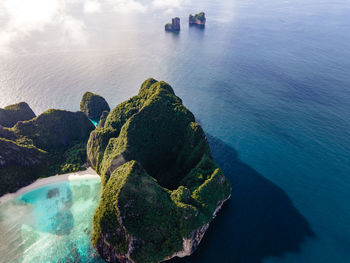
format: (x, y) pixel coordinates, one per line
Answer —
(74, 30)
(92, 6)
(20, 18)
(169, 5)
(28, 15)
(127, 6)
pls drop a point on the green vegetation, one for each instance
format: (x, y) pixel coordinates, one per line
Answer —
(19, 165)
(52, 143)
(160, 183)
(198, 19)
(201, 16)
(55, 130)
(12, 114)
(93, 105)
(130, 187)
(71, 160)
(149, 128)
(103, 118)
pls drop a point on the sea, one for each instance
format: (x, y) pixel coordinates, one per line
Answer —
(269, 81)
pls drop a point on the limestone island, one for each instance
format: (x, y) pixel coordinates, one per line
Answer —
(160, 185)
(198, 19)
(174, 26)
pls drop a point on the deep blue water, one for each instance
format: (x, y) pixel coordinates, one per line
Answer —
(268, 79)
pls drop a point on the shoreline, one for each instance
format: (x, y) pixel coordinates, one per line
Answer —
(87, 174)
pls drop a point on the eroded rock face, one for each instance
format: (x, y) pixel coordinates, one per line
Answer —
(19, 165)
(161, 187)
(103, 118)
(12, 114)
(93, 105)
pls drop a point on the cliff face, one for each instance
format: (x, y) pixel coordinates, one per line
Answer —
(54, 142)
(20, 165)
(12, 114)
(161, 187)
(93, 105)
(103, 119)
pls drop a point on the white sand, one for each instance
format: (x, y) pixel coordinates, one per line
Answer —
(89, 173)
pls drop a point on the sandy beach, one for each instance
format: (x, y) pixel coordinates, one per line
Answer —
(89, 173)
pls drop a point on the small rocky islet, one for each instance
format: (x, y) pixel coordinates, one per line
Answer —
(197, 20)
(174, 26)
(160, 186)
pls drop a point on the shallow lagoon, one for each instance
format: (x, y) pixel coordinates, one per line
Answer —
(52, 223)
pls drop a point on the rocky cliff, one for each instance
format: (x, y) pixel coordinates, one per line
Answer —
(12, 114)
(103, 118)
(54, 130)
(20, 165)
(93, 105)
(161, 187)
(54, 142)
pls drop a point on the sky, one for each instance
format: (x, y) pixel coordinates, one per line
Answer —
(19, 19)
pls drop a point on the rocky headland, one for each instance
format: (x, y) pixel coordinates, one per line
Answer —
(161, 187)
(52, 143)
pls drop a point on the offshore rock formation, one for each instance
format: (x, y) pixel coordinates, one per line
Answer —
(93, 105)
(161, 187)
(174, 26)
(54, 142)
(198, 19)
(12, 114)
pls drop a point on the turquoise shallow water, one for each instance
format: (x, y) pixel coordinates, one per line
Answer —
(270, 79)
(50, 224)
(95, 122)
